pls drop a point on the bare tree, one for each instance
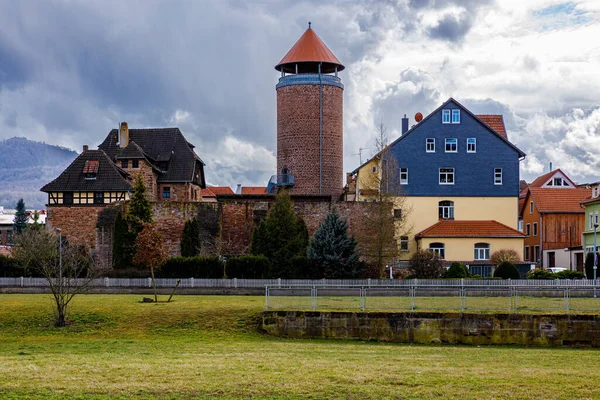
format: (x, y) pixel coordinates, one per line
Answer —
(385, 222)
(70, 269)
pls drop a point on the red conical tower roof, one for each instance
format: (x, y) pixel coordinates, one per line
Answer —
(307, 53)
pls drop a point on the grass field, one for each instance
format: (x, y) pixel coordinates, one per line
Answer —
(210, 346)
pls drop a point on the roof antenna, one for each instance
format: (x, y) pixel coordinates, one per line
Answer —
(309, 24)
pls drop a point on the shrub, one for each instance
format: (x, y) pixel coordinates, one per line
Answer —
(506, 271)
(190, 239)
(498, 257)
(248, 267)
(193, 267)
(456, 270)
(569, 275)
(589, 266)
(10, 268)
(539, 273)
(426, 264)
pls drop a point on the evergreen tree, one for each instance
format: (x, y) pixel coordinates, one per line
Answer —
(140, 210)
(20, 221)
(123, 243)
(281, 237)
(332, 250)
(36, 226)
(190, 241)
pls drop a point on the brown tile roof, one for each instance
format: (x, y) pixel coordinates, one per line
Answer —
(309, 49)
(556, 200)
(220, 189)
(473, 229)
(540, 180)
(208, 193)
(496, 122)
(254, 190)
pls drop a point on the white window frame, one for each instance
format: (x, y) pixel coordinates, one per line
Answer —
(591, 224)
(527, 253)
(455, 145)
(472, 142)
(441, 251)
(404, 244)
(456, 113)
(596, 218)
(535, 229)
(430, 141)
(531, 207)
(446, 117)
(481, 252)
(520, 225)
(447, 172)
(528, 229)
(447, 211)
(404, 171)
(497, 176)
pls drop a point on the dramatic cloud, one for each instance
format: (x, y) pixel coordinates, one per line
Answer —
(71, 71)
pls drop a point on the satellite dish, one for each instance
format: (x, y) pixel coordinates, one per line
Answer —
(418, 117)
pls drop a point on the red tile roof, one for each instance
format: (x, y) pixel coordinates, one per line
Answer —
(220, 189)
(556, 200)
(496, 122)
(473, 229)
(310, 48)
(254, 190)
(208, 193)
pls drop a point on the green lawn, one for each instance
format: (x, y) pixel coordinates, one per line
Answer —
(210, 346)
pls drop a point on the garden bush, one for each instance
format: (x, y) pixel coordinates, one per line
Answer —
(506, 271)
(426, 264)
(569, 275)
(248, 267)
(456, 270)
(539, 273)
(10, 268)
(589, 267)
(192, 267)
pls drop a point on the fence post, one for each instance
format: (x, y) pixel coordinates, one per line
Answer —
(567, 300)
(279, 282)
(235, 283)
(149, 282)
(266, 295)
(192, 282)
(363, 298)
(106, 281)
(369, 282)
(22, 282)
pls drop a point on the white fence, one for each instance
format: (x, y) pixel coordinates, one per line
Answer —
(262, 283)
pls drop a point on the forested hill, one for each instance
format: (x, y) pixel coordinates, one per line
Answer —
(26, 166)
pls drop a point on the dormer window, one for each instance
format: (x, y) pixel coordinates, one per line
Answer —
(90, 169)
(595, 192)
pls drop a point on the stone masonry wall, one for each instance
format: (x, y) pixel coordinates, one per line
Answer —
(455, 328)
(78, 224)
(298, 138)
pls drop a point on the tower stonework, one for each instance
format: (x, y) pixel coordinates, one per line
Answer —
(310, 119)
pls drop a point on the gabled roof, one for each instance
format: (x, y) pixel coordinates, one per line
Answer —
(558, 201)
(131, 151)
(541, 180)
(155, 143)
(471, 229)
(415, 127)
(494, 121)
(254, 190)
(309, 49)
(109, 177)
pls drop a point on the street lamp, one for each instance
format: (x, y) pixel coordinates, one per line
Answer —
(59, 255)
(595, 258)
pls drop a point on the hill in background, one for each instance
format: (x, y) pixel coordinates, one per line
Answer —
(26, 166)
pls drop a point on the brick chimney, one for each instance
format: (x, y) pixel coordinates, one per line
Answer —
(123, 135)
(85, 147)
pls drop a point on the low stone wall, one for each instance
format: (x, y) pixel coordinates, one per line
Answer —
(424, 328)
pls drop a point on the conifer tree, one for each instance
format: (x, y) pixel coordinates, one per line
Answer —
(123, 243)
(281, 237)
(332, 250)
(140, 210)
(20, 221)
(190, 241)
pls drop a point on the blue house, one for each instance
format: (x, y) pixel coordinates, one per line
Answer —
(453, 167)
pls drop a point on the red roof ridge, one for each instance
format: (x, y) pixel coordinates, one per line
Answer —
(469, 228)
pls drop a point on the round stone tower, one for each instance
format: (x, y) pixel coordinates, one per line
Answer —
(310, 119)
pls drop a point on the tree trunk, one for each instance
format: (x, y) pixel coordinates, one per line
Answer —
(154, 285)
(61, 319)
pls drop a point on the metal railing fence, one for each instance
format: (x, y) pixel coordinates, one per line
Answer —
(510, 298)
(262, 283)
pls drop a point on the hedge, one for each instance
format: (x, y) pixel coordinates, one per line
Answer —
(193, 267)
(248, 267)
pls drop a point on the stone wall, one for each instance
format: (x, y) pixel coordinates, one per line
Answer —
(149, 177)
(78, 223)
(424, 328)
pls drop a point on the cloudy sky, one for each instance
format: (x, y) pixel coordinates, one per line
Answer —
(72, 70)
